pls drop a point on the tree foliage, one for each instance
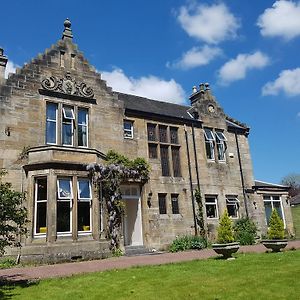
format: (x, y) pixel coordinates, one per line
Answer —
(108, 178)
(225, 229)
(293, 181)
(199, 215)
(245, 231)
(276, 226)
(12, 215)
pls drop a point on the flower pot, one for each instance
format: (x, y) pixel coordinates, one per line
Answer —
(275, 245)
(226, 249)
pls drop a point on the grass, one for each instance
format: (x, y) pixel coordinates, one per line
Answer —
(250, 276)
(296, 219)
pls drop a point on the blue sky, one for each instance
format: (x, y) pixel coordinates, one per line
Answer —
(247, 50)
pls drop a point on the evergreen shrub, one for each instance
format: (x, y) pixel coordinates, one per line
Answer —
(245, 231)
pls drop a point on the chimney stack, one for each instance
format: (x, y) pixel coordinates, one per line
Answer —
(3, 62)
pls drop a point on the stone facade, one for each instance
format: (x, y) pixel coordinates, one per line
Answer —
(40, 159)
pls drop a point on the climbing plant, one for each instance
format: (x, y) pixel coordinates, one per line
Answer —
(199, 214)
(108, 178)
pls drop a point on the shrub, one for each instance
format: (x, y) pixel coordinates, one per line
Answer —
(225, 229)
(6, 263)
(245, 231)
(188, 242)
(276, 227)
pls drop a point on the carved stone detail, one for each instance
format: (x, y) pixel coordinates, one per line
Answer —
(68, 86)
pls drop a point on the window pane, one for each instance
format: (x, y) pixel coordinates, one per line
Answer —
(211, 211)
(41, 217)
(162, 204)
(64, 188)
(152, 151)
(221, 151)
(67, 134)
(210, 200)
(268, 210)
(277, 206)
(84, 191)
(175, 204)
(84, 216)
(51, 111)
(51, 132)
(232, 210)
(163, 137)
(41, 189)
(176, 161)
(209, 136)
(220, 136)
(174, 135)
(164, 155)
(151, 129)
(209, 150)
(82, 116)
(82, 135)
(63, 216)
(127, 125)
(68, 113)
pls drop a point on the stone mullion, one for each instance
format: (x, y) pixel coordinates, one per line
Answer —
(51, 207)
(96, 211)
(74, 209)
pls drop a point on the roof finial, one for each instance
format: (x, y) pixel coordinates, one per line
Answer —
(67, 33)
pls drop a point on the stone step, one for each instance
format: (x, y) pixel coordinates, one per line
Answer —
(136, 250)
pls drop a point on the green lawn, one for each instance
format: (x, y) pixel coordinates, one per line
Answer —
(296, 219)
(251, 276)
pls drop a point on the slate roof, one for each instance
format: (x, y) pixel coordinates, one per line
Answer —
(258, 184)
(147, 106)
(295, 200)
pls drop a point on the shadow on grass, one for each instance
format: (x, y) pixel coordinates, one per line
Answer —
(9, 283)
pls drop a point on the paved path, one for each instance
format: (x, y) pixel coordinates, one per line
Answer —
(68, 269)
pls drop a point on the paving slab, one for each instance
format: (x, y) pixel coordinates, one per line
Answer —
(69, 269)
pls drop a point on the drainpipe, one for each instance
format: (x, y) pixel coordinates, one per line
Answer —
(195, 156)
(241, 172)
(190, 178)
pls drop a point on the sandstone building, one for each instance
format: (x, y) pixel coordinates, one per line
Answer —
(58, 115)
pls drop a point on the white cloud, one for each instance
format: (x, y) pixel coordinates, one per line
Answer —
(150, 86)
(10, 68)
(298, 114)
(282, 20)
(196, 57)
(287, 82)
(211, 24)
(237, 68)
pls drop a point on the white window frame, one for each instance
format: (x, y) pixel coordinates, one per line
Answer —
(71, 119)
(128, 133)
(271, 200)
(36, 201)
(53, 121)
(233, 201)
(211, 142)
(89, 200)
(220, 141)
(65, 199)
(83, 125)
(212, 203)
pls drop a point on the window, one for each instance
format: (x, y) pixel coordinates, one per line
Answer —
(64, 205)
(175, 204)
(164, 157)
(128, 129)
(82, 125)
(209, 144)
(270, 203)
(51, 123)
(211, 205)
(84, 205)
(169, 147)
(72, 128)
(67, 125)
(232, 204)
(162, 204)
(221, 145)
(40, 220)
(176, 161)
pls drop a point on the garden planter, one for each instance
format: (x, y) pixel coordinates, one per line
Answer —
(275, 245)
(226, 249)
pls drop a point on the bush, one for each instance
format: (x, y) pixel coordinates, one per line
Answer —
(276, 227)
(225, 229)
(6, 263)
(245, 231)
(188, 242)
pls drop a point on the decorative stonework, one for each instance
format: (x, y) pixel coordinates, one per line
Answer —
(68, 86)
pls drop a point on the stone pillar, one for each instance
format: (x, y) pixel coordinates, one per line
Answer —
(3, 62)
(51, 210)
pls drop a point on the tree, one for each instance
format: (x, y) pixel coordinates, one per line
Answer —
(12, 215)
(276, 227)
(293, 181)
(225, 229)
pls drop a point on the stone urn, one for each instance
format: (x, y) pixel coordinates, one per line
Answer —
(226, 249)
(275, 245)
